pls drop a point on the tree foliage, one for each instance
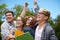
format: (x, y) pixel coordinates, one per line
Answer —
(57, 26)
(3, 9)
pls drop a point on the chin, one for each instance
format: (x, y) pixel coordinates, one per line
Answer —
(17, 25)
(38, 20)
(9, 21)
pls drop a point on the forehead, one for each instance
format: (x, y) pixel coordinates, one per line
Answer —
(19, 18)
(40, 13)
(8, 13)
(30, 18)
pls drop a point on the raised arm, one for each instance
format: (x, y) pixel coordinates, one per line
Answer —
(24, 10)
(36, 7)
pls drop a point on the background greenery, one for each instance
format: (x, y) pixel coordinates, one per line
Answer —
(17, 9)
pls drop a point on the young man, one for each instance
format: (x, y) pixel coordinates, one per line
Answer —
(43, 31)
(10, 23)
(7, 25)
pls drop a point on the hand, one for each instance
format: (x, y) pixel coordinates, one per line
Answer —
(26, 4)
(35, 3)
(7, 38)
(10, 36)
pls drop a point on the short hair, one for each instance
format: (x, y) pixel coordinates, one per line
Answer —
(45, 12)
(9, 12)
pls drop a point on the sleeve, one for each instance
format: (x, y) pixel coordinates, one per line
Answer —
(36, 9)
(4, 31)
(52, 35)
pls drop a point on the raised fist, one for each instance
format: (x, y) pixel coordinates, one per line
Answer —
(26, 4)
(35, 3)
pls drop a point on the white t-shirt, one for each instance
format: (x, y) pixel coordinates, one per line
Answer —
(38, 33)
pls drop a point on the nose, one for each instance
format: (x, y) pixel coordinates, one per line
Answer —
(8, 17)
(38, 14)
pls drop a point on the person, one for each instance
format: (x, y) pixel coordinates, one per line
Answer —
(19, 26)
(36, 8)
(20, 22)
(7, 25)
(30, 21)
(43, 30)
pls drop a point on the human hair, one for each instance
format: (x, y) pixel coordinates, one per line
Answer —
(33, 20)
(45, 12)
(22, 19)
(9, 12)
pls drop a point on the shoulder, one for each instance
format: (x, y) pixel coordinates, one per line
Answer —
(49, 29)
(4, 23)
(35, 25)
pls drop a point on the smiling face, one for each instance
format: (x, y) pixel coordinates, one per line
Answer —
(9, 17)
(43, 15)
(19, 22)
(29, 20)
(40, 17)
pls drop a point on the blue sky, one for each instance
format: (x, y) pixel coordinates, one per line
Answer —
(52, 5)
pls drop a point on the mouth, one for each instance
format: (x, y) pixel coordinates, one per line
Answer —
(8, 18)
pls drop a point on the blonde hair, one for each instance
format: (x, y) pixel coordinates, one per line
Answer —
(45, 11)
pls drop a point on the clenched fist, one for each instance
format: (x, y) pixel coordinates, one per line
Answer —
(35, 3)
(26, 4)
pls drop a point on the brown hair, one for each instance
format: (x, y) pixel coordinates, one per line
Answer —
(9, 12)
(33, 21)
(23, 20)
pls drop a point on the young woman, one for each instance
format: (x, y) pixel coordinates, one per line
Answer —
(30, 21)
(20, 21)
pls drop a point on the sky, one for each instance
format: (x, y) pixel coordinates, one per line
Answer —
(52, 5)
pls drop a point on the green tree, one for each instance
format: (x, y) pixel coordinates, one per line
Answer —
(57, 26)
(3, 9)
(51, 22)
(18, 9)
(29, 13)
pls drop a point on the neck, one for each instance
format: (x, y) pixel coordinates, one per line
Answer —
(27, 24)
(41, 24)
(10, 22)
(20, 28)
